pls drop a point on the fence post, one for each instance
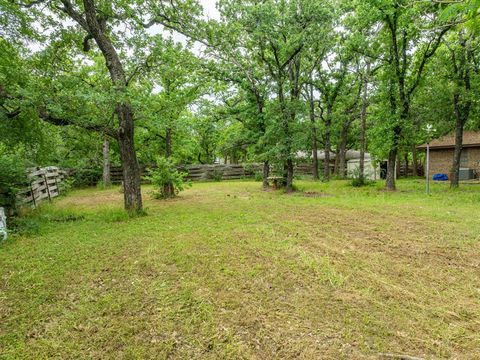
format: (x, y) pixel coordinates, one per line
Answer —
(46, 185)
(33, 196)
(56, 184)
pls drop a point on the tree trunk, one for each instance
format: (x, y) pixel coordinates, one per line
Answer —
(460, 117)
(314, 136)
(328, 123)
(414, 160)
(454, 181)
(315, 173)
(168, 188)
(397, 168)
(392, 154)
(342, 150)
(106, 162)
(289, 185)
(286, 115)
(342, 162)
(363, 123)
(461, 105)
(131, 172)
(390, 181)
(406, 164)
(265, 175)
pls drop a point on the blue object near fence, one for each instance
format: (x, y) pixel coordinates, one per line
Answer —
(440, 177)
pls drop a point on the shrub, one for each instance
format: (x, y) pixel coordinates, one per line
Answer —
(166, 179)
(13, 179)
(216, 175)
(102, 186)
(65, 186)
(258, 176)
(25, 225)
(356, 180)
(87, 176)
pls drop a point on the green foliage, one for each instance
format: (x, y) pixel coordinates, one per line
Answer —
(86, 176)
(166, 179)
(13, 177)
(102, 186)
(258, 176)
(216, 175)
(66, 185)
(356, 180)
(27, 224)
(252, 169)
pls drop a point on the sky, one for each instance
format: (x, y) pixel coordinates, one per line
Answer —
(210, 12)
(209, 8)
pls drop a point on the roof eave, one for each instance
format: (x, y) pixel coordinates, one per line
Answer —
(424, 146)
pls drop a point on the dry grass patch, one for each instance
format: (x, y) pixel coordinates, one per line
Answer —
(229, 271)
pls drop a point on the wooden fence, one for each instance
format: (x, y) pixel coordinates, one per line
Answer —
(404, 173)
(219, 172)
(44, 185)
(213, 172)
(200, 172)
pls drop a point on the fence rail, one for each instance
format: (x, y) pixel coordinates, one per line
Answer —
(44, 185)
(199, 172)
(209, 172)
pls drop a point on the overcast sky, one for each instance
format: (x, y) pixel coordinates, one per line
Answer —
(209, 8)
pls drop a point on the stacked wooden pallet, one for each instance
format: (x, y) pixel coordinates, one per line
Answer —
(44, 185)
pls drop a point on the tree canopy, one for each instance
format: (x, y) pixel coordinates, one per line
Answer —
(261, 82)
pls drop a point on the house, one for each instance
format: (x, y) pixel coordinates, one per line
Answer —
(442, 150)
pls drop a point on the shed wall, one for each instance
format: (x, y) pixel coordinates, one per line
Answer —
(371, 172)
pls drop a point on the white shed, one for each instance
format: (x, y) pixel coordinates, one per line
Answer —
(372, 170)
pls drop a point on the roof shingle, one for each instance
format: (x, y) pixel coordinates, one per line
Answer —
(470, 139)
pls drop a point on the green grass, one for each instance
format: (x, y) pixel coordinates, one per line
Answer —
(229, 271)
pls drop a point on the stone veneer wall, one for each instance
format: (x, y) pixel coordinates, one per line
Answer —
(441, 160)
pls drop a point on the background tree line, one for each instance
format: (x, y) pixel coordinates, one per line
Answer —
(86, 84)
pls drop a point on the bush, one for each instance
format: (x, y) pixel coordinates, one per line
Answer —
(25, 225)
(102, 186)
(13, 179)
(216, 175)
(356, 180)
(258, 176)
(166, 179)
(65, 186)
(86, 176)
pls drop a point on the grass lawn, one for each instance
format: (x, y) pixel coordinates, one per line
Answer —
(228, 271)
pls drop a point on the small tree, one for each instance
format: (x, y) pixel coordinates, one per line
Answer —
(166, 179)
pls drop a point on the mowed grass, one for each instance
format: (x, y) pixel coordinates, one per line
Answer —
(228, 271)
